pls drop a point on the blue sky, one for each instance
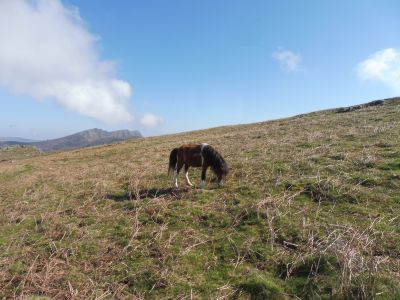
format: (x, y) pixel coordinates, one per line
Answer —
(172, 66)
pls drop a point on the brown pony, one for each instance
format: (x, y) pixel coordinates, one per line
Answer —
(197, 155)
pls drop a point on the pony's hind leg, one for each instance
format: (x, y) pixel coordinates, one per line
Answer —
(187, 175)
(175, 178)
(178, 167)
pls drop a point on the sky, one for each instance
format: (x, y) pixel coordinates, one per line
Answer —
(170, 66)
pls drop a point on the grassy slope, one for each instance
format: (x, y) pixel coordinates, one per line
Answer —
(310, 209)
(10, 153)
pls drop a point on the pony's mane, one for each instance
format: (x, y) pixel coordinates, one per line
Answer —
(216, 161)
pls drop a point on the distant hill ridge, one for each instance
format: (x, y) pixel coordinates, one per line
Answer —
(17, 139)
(91, 137)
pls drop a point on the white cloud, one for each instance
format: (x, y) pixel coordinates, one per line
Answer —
(46, 52)
(289, 61)
(382, 66)
(151, 121)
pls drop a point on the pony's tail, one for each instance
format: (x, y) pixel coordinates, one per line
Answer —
(173, 159)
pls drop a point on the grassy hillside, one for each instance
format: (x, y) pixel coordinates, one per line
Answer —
(310, 210)
(11, 153)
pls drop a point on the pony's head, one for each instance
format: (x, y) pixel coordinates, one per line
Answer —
(216, 162)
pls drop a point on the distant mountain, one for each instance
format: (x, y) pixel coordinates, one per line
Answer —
(91, 137)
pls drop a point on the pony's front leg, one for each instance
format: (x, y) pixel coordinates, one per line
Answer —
(203, 176)
(220, 180)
